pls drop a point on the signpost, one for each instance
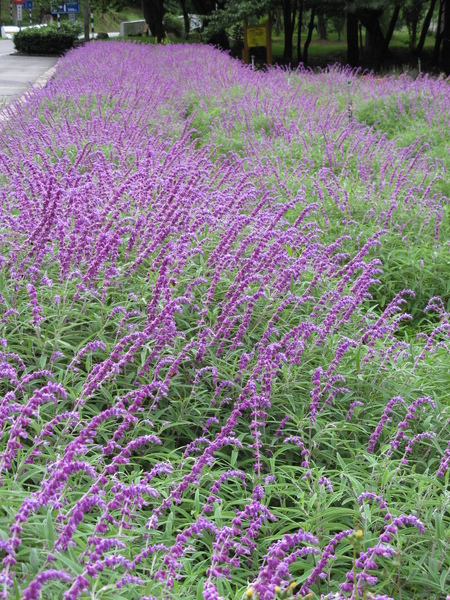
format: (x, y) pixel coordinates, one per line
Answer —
(66, 9)
(18, 12)
(256, 36)
(28, 5)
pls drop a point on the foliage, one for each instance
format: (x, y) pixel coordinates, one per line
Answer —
(47, 40)
(413, 12)
(234, 13)
(225, 319)
(173, 24)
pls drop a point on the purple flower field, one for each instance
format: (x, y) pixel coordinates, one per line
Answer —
(225, 322)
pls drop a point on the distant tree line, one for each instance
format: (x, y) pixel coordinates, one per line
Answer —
(378, 18)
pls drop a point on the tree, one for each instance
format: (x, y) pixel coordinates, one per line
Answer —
(229, 14)
(369, 13)
(440, 27)
(86, 19)
(187, 25)
(370, 19)
(413, 12)
(390, 31)
(352, 36)
(289, 15)
(321, 24)
(154, 17)
(425, 27)
(443, 37)
(339, 24)
(446, 38)
(232, 13)
(299, 31)
(309, 37)
(203, 7)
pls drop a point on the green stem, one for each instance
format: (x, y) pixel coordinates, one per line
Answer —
(354, 573)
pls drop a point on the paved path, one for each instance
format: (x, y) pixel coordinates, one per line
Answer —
(17, 73)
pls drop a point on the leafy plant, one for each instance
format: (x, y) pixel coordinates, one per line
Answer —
(47, 40)
(224, 332)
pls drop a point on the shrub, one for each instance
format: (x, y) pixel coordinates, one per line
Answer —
(47, 40)
(174, 24)
(203, 337)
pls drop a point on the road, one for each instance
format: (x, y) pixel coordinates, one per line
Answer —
(17, 73)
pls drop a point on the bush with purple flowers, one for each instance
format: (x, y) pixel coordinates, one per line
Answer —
(224, 332)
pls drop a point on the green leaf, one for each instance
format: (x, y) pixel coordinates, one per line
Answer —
(17, 590)
(197, 502)
(34, 560)
(200, 589)
(169, 524)
(50, 531)
(42, 361)
(443, 580)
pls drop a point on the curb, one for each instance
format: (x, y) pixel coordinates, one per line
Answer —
(42, 80)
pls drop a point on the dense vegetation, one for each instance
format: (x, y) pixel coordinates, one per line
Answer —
(225, 321)
(223, 23)
(47, 40)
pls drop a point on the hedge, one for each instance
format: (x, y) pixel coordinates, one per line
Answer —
(47, 40)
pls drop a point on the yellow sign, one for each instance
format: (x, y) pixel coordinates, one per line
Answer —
(256, 36)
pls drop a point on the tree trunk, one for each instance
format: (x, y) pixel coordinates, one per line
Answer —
(370, 18)
(154, 15)
(390, 33)
(289, 26)
(187, 25)
(437, 45)
(299, 36)
(413, 35)
(425, 27)
(309, 38)
(321, 26)
(86, 20)
(352, 39)
(446, 39)
(277, 26)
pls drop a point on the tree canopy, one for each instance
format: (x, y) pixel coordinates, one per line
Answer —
(378, 18)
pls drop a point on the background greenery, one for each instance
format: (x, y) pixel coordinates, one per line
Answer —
(328, 42)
